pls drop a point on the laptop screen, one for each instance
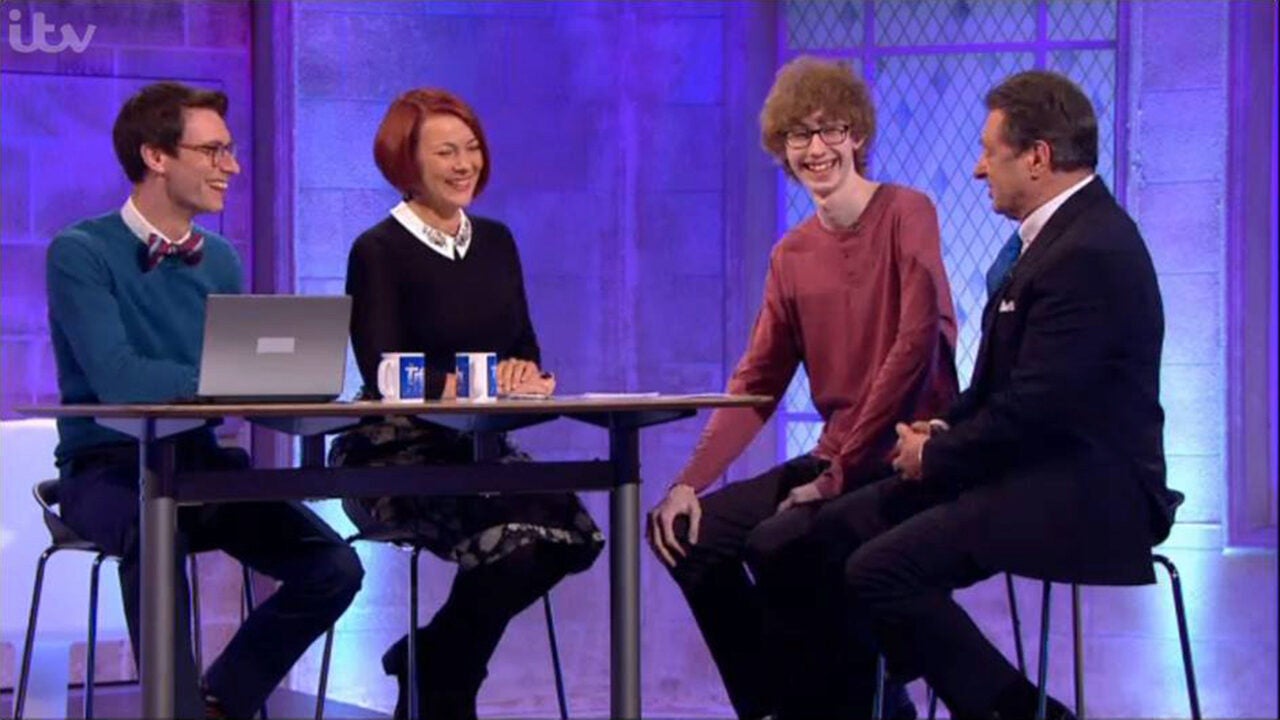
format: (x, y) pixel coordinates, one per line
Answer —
(274, 347)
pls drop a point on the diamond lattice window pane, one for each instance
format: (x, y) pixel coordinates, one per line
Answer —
(1082, 19)
(799, 204)
(931, 116)
(797, 399)
(802, 436)
(1095, 72)
(948, 22)
(823, 24)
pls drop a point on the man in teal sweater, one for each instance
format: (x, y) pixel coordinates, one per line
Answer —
(127, 297)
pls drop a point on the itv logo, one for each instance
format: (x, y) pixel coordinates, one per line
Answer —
(69, 37)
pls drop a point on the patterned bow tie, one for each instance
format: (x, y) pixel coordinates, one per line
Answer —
(190, 250)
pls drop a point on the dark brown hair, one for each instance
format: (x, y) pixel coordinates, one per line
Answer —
(395, 149)
(153, 117)
(1045, 106)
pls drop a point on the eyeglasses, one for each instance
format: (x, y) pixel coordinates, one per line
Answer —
(800, 138)
(216, 152)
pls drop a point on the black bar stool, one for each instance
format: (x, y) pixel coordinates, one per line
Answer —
(1193, 697)
(1184, 637)
(62, 537)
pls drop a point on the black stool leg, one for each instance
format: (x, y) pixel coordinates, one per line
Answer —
(20, 698)
(91, 648)
(555, 656)
(197, 636)
(877, 700)
(412, 665)
(1184, 637)
(933, 702)
(247, 580)
(1044, 651)
(326, 657)
(324, 673)
(1017, 624)
(1077, 631)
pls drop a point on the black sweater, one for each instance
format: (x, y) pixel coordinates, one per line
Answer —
(408, 298)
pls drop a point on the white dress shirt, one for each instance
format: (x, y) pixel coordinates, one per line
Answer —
(1035, 222)
(142, 227)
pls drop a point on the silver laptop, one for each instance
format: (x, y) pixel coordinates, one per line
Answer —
(274, 348)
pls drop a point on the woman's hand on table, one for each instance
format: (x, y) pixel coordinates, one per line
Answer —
(540, 383)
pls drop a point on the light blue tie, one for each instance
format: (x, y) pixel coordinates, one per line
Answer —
(1003, 264)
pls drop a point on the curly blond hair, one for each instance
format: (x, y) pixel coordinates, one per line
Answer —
(806, 85)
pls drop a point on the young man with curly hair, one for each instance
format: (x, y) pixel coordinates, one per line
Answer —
(856, 293)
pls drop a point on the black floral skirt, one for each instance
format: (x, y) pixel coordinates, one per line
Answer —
(470, 530)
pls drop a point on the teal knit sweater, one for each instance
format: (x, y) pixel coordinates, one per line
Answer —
(122, 335)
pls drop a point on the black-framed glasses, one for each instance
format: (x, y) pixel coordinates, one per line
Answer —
(216, 152)
(799, 138)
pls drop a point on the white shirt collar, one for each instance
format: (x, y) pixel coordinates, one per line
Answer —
(437, 240)
(142, 227)
(1039, 217)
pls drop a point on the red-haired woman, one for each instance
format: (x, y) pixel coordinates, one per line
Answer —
(432, 279)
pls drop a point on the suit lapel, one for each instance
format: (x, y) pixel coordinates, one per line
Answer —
(1058, 224)
(1027, 265)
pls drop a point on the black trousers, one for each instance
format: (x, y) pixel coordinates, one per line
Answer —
(320, 575)
(768, 602)
(904, 548)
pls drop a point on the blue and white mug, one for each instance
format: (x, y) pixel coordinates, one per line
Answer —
(477, 375)
(402, 377)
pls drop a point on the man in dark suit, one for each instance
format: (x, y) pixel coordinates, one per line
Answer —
(1051, 463)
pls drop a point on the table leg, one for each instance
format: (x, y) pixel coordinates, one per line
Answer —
(486, 446)
(159, 520)
(624, 574)
(313, 451)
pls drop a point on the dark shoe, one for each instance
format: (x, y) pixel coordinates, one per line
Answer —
(897, 703)
(1018, 702)
(395, 662)
(1054, 710)
(396, 658)
(447, 699)
(213, 709)
(402, 698)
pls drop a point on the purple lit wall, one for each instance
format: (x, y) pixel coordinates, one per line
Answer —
(1273, 312)
(1178, 194)
(57, 165)
(56, 112)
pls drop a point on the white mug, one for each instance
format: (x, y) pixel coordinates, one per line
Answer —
(477, 375)
(402, 377)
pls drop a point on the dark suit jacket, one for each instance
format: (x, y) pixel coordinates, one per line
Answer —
(1061, 427)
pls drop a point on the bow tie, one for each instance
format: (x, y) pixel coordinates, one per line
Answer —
(157, 249)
